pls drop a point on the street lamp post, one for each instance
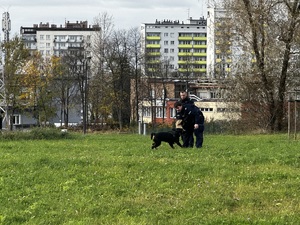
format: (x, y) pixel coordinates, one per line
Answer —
(85, 94)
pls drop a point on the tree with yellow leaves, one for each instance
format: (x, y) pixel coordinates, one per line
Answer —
(16, 56)
(37, 81)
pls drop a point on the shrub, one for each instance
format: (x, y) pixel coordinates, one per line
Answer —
(35, 134)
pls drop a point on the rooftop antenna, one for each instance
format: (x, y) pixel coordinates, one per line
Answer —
(6, 27)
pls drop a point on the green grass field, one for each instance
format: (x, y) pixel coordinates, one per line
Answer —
(118, 179)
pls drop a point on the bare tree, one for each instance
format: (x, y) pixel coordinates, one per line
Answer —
(118, 62)
(136, 61)
(100, 85)
(267, 32)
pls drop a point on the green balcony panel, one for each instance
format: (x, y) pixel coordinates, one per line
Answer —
(200, 46)
(199, 54)
(200, 38)
(201, 70)
(154, 53)
(200, 62)
(185, 46)
(185, 38)
(185, 54)
(153, 38)
(153, 46)
(184, 62)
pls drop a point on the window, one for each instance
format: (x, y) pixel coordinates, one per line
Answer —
(47, 37)
(152, 93)
(41, 37)
(172, 42)
(206, 109)
(172, 113)
(146, 112)
(159, 112)
(202, 95)
(166, 34)
(16, 119)
(166, 50)
(166, 42)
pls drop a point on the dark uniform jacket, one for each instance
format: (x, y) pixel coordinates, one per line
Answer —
(190, 115)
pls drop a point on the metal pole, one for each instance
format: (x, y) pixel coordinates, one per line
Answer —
(85, 98)
(295, 116)
(140, 127)
(145, 126)
(289, 115)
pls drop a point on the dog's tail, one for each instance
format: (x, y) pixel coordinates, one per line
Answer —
(152, 135)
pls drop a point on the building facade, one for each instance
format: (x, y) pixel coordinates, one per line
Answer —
(52, 40)
(177, 47)
(196, 54)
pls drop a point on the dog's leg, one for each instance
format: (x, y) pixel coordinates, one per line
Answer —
(171, 144)
(153, 145)
(156, 144)
(178, 143)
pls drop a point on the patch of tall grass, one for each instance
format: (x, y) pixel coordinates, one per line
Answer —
(35, 134)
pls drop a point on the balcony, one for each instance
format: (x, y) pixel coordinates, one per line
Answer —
(199, 54)
(200, 46)
(200, 70)
(153, 53)
(200, 62)
(184, 62)
(200, 38)
(153, 46)
(185, 46)
(185, 38)
(185, 54)
(153, 38)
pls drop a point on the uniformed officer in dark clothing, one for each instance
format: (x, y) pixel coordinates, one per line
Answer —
(189, 114)
(198, 132)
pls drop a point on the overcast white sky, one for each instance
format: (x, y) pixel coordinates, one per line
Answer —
(126, 13)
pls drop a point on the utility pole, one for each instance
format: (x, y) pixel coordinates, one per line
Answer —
(85, 94)
(6, 27)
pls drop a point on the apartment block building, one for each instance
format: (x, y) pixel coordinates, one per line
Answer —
(191, 56)
(53, 40)
(50, 39)
(180, 47)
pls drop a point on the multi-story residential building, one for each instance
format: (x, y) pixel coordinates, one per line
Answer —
(178, 47)
(52, 40)
(191, 56)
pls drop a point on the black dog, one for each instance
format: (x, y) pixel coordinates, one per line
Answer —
(171, 137)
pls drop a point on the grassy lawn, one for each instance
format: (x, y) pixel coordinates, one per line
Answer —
(118, 179)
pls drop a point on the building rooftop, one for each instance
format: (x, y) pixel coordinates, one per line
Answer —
(82, 25)
(201, 21)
